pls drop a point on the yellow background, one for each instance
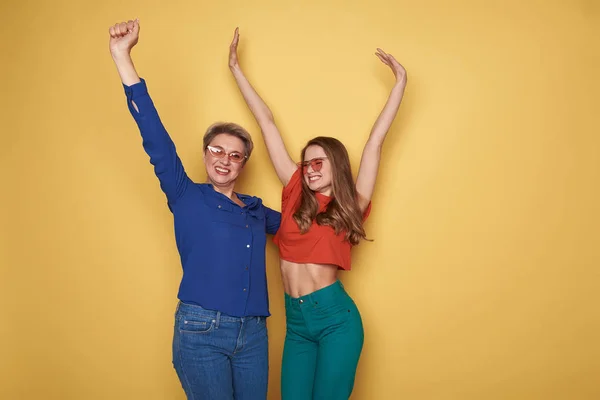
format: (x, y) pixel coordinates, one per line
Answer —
(483, 279)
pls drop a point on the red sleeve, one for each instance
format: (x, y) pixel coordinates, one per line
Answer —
(292, 191)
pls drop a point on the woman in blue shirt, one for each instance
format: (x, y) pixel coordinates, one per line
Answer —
(220, 336)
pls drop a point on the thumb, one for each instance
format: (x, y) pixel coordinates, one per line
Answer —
(136, 26)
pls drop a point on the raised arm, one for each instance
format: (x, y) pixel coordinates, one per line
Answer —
(284, 166)
(156, 141)
(369, 163)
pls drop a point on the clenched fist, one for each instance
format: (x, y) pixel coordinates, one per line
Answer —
(123, 36)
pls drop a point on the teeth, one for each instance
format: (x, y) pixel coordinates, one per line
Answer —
(313, 178)
(222, 169)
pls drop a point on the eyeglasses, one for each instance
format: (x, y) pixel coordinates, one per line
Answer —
(316, 164)
(219, 152)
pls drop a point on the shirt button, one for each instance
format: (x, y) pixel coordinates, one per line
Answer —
(246, 226)
(246, 268)
(301, 301)
(248, 246)
(244, 289)
(218, 206)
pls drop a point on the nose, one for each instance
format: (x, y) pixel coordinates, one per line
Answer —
(225, 160)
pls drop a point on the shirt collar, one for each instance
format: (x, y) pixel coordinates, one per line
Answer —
(252, 203)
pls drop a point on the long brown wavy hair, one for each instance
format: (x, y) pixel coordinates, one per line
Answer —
(343, 212)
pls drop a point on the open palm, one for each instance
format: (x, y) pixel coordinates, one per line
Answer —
(233, 57)
(390, 61)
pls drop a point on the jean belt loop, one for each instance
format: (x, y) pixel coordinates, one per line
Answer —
(218, 319)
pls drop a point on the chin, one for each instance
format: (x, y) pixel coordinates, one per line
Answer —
(314, 188)
(317, 187)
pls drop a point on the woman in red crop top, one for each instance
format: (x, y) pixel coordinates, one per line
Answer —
(323, 211)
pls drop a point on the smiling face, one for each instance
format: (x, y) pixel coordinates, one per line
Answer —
(220, 168)
(317, 170)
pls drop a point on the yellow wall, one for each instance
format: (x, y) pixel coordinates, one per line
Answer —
(482, 281)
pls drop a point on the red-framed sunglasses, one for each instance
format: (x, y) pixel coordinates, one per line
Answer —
(219, 152)
(316, 164)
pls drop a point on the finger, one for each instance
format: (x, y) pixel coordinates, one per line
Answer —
(383, 59)
(236, 38)
(111, 32)
(123, 28)
(383, 53)
(384, 56)
(130, 26)
(393, 59)
(120, 29)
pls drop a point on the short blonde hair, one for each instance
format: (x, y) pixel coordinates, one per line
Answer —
(229, 128)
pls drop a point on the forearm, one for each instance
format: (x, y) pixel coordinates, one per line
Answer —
(258, 107)
(156, 141)
(126, 69)
(387, 116)
(284, 166)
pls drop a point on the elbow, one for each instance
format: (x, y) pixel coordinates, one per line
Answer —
(266, 118)
(374, 145)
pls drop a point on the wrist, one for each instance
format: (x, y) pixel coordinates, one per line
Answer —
(400, 82)
(120, 55)
(399, 87)
(235, 69)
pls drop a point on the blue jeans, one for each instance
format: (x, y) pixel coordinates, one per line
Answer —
(219, 357)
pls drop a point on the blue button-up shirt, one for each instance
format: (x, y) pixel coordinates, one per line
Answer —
(221, 245)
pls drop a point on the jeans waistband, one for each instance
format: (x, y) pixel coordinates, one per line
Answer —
(218, 316)
(327, 295)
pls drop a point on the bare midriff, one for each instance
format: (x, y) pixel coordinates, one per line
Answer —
(302, 279)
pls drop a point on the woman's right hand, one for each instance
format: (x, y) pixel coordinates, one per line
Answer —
(123, 36)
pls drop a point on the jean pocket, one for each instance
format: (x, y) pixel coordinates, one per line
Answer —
(341, 310)
(197, 325)
(334, 310)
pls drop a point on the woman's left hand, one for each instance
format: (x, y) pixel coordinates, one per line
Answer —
(233, 57)
(390, 61)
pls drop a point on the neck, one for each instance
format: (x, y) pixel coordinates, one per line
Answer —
(326, 191)
(226, 189)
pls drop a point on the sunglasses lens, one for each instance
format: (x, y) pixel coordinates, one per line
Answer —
(314, 164)
(216, 152)
(236, 157)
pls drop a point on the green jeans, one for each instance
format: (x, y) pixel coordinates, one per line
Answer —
(323, 342)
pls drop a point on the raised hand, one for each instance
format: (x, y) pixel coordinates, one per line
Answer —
(390, 61)
(233, 57)
(123, 36)
(369, 164)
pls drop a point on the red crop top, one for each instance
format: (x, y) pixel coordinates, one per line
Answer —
(320, 245)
